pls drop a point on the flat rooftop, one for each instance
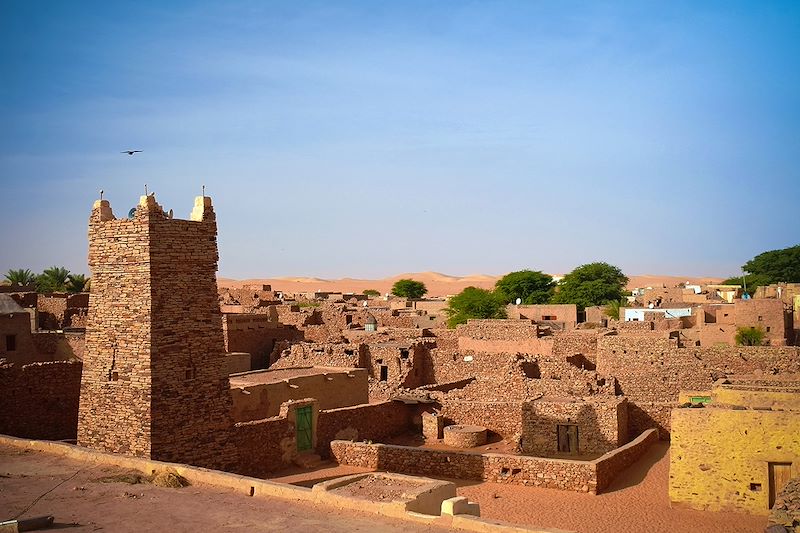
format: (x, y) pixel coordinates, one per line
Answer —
(263, 377)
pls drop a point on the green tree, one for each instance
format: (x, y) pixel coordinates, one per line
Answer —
(613, 308)
(591, 284)
(408, 288)
(20, 276)
(753, 281)
(77, 283)
(775, 266)
(53, 279)
(749, 336)
(473, 302)
(371, 292)
(531, 286)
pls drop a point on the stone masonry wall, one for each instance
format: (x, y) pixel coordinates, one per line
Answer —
(155, 376)
(363, 422)
(579, 476)
(651, 372)
(263, 446)
(601, 423)
(40, 400)
(314, 354)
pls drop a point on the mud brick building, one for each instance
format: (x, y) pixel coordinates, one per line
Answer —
(739, 449)
(154, 377)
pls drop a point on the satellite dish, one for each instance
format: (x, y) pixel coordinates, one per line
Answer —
(131, 212)
(519, 301)
(170, 214)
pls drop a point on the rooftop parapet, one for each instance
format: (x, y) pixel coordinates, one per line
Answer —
(149, 209)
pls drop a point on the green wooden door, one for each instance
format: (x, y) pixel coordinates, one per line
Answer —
(303, 424)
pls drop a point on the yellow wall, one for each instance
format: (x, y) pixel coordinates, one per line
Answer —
(757, 398)
(717, 453)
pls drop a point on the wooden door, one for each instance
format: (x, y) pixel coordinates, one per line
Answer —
(568, 438)
(304, 429)
(779, 475)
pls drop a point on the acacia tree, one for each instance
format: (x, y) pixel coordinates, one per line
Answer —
(371, 292)
(409, 288)
(778, 265)
(591, 284)
(530, 286)
(20, 276)
(473, 302)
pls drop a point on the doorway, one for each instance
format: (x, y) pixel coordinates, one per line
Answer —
(779, 475)
(304, 429)
(567, 438)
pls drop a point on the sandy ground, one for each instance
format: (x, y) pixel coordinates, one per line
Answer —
(80, 504)
(436, 283)
(636, 502)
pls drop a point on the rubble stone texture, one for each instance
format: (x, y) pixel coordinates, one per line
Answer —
(154, 377)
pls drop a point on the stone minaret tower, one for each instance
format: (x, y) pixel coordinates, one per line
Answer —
(155, 382)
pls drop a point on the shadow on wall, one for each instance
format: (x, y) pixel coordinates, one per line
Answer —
(561, 429)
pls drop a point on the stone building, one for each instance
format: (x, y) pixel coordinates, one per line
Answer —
(738, 450)
(155, 382)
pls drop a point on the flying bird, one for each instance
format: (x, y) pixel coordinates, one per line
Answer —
(130, 152)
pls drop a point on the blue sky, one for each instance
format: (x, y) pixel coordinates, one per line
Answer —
(366, 139)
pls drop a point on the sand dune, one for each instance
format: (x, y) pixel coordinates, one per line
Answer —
(438, 284)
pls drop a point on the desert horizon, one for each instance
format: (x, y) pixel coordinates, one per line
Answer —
(437, 283)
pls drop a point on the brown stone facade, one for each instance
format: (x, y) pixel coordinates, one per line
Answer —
(40, 400)
(563, 474)
(154, 380)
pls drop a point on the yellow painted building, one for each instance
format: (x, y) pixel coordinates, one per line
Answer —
(738, 450)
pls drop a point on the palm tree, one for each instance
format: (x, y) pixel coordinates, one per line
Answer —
(20, 277)
(613, 307)
(77, 283)
(53, 279)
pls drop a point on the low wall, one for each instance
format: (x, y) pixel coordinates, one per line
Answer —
(611, 464)
(563, 474)
(40, 400)
(362, 422)
(264, 445)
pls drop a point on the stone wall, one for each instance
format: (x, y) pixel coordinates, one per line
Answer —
(301, 354)
(582, 342)
(562, 474)
(363, 422)
(332, 389)
(62, 310)
(786, 511)
(601, 423)
(255, 334)
(40, 400)
(264, 446)
(501, 418)
(651, 372)
(502, 336)
(615, 461)
(155, 380)
(720, 457)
